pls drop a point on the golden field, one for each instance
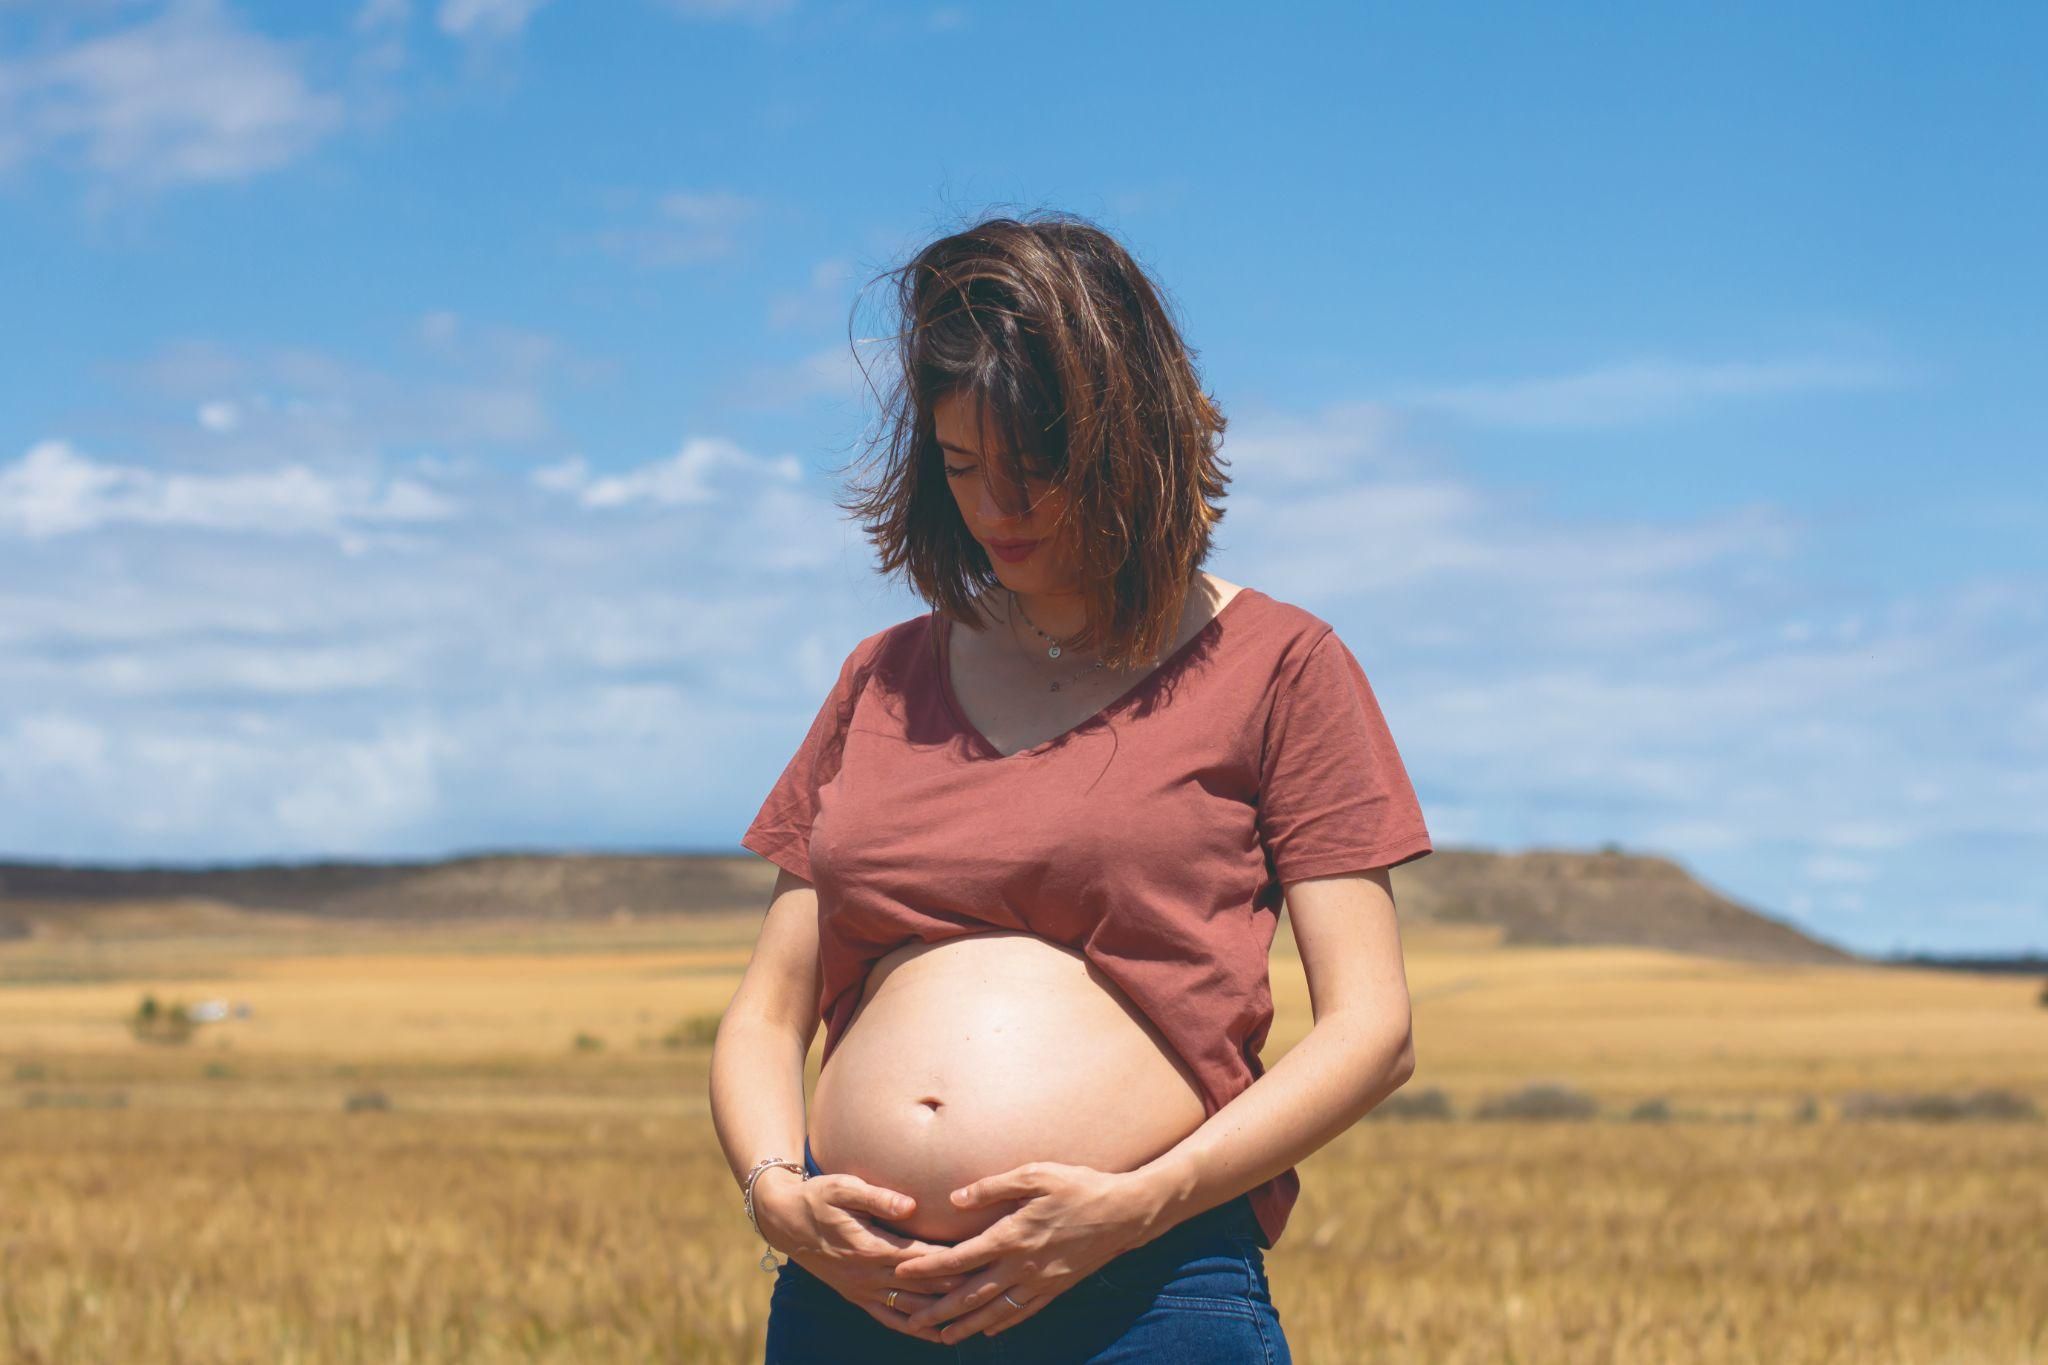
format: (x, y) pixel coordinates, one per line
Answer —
(526, 1197)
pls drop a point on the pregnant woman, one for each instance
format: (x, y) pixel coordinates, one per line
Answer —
(1033, 851)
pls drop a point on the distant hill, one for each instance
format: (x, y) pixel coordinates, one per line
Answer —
(1543, 897)
(1564, 897)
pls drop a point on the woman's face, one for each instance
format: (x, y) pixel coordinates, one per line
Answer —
(966, 444)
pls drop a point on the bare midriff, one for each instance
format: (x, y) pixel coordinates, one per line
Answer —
(970, 1056)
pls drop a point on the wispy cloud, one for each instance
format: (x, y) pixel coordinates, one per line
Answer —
(54, 490)
(451, 386)
(190, 95)
(685, 228)
(488, 19)
(730, 9)
(821, 302)
(829, 372)
(1639, 391)
(691, 475)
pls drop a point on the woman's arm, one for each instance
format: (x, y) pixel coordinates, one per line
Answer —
(1359, 1051)
(757, 1061)
(757, 1106)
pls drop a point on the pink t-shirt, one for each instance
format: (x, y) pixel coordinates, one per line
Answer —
(1154, 838)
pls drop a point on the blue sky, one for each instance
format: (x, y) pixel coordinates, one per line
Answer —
(418, 421)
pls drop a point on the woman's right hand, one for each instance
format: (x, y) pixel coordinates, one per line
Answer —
(829, 1225)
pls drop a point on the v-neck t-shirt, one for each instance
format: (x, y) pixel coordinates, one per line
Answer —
(1155, 838)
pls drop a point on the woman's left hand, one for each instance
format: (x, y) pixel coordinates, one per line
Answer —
(1072, 1220)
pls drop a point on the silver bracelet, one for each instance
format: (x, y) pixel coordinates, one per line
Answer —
(768, 1261)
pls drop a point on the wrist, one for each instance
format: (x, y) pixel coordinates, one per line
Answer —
(775, 1192)
(1160, 1192)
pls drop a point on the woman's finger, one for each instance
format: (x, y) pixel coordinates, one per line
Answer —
(890, 1317)
(997, 1314)
(1017, 1315)
(851, 1192)
(961, 1257)
(913, 1246)
(906, 1302)
(859, 1235)
(1019, 1182)
(925, 1288)
(975, 1293)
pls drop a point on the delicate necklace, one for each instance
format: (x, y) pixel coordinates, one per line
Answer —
(1054, 648)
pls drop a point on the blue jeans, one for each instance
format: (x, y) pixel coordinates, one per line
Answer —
(1196, 1294)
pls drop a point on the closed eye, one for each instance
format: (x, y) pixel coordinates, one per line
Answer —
(1030, 476)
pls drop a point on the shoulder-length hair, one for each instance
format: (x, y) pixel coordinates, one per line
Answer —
(1080, 368)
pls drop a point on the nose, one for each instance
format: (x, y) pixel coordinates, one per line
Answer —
(990, 511)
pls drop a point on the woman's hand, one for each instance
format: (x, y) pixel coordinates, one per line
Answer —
(1071, 1221)
(827, 1224)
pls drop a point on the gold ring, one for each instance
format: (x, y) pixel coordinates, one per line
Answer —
(890, 1302)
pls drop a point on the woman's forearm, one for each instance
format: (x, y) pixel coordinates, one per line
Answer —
(757, 1094)
(1325, 1083)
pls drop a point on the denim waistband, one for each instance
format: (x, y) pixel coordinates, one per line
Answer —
(1231, 1218)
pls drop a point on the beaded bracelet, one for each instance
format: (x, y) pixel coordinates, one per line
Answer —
(768, 1261)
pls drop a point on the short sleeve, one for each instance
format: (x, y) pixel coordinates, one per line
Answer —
(781, 830)
(1334, 795)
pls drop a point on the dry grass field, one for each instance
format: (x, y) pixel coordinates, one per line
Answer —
(540, 1182)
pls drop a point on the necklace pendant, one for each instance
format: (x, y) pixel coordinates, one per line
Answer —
(1053, 653)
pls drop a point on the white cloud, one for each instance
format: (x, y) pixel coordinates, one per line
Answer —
(465, 386)
(730, 9)
(1638, 391)
(688, 228)
(187, 96)
(829, 372)
(1336, 445)
(54, 490)
(491, 19)
(1827, 867)
(691, 475)
(822, 301)
(376, 15)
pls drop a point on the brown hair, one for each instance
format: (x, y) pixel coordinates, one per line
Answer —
(1078, 364)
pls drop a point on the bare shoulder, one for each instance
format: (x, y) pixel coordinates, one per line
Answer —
(1217, 592)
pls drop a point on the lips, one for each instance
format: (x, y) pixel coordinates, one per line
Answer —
(1011, 550)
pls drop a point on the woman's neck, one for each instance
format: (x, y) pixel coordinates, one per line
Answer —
(1059, 614)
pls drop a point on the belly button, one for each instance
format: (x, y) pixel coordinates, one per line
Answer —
(929, 1100)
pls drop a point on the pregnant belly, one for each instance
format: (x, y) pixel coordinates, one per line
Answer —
(972, 1055)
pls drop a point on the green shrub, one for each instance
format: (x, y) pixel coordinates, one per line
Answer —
(698, 1030)
(1543, 1100)
(153, 1023)
(1929, 1106)
(1423, 1104)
